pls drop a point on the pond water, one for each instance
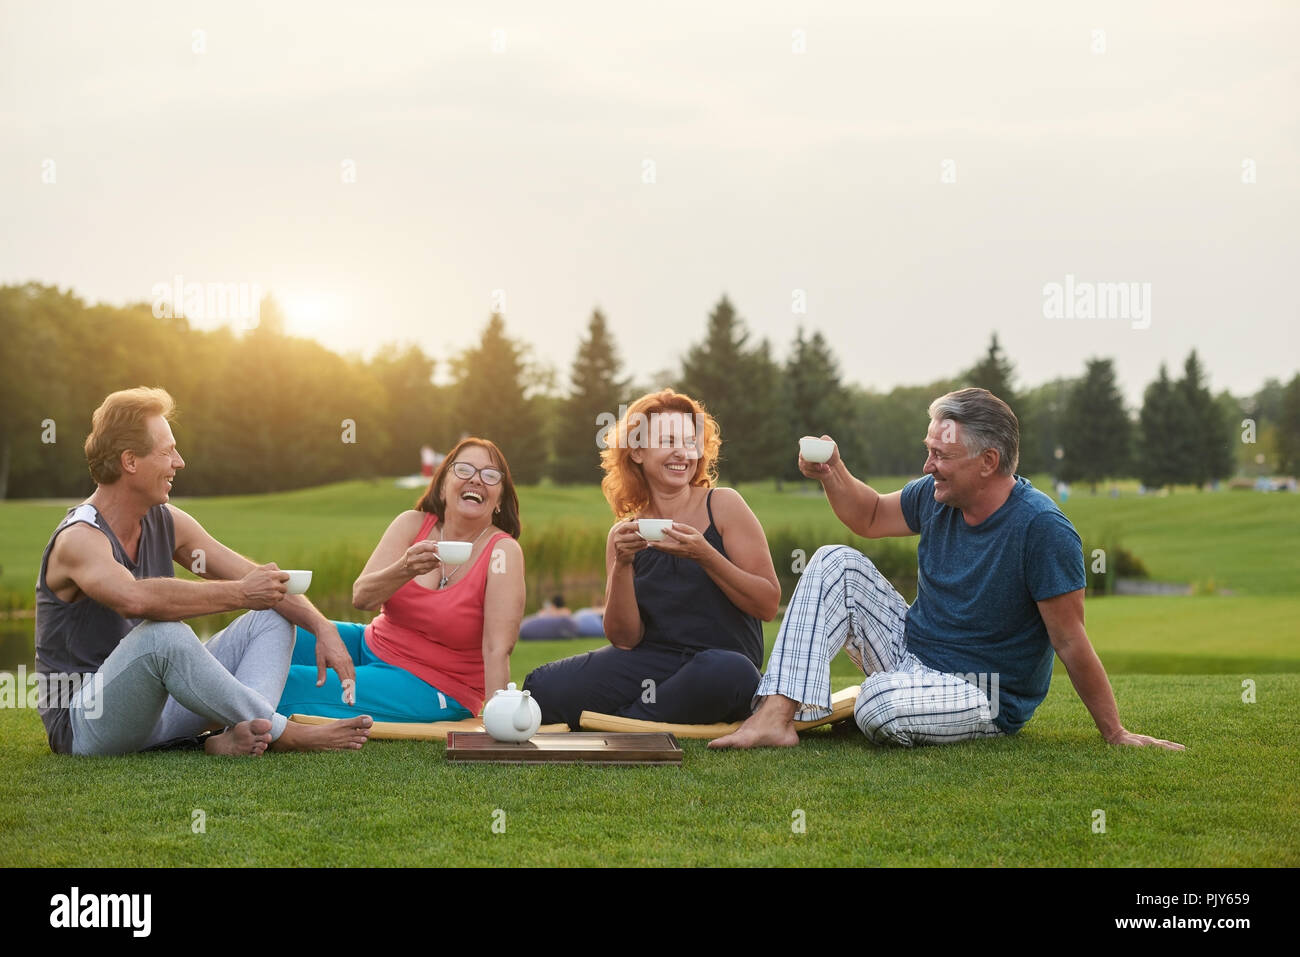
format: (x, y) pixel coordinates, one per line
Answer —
(17, 644)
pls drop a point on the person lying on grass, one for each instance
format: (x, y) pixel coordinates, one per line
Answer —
(121, 670)
(682, 612)
(443, 638)
(1000, 585)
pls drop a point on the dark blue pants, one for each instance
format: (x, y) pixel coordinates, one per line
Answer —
(648, 682)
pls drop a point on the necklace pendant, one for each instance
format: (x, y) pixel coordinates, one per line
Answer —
(443, 583)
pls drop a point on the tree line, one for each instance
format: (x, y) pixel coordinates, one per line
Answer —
(263, 411)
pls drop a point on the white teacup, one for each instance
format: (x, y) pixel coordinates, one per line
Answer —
(652, 529)
(816, 450)
(454, 553)
(299, 580)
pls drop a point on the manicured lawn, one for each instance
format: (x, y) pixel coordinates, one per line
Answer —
(1229, 800)
(1178, 665)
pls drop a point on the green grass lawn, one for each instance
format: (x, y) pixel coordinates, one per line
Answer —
(1229, 800)
(1177, 664)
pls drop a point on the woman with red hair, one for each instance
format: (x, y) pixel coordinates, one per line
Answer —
(682, 612)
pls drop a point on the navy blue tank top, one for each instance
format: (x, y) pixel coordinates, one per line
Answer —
(683, 608)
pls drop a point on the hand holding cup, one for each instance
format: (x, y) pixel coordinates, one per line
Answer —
(627, 542)
(817, 456)
(421, 558)
(264, 587)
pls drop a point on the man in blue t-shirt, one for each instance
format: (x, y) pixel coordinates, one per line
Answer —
(999, 588)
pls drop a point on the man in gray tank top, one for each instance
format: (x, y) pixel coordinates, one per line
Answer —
(119, 669)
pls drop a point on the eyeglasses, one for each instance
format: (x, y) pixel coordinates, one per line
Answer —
(464, 470)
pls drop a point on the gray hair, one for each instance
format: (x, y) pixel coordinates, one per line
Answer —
(986, 423)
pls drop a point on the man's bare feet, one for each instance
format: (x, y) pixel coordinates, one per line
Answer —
(346, 734)
(771, 726)
(250, 738)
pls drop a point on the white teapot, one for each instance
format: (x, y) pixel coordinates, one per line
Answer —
(512, 715)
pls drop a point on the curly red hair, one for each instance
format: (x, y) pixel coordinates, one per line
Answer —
(624, 484)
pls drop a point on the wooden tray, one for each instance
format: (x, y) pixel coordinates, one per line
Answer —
(571, 748)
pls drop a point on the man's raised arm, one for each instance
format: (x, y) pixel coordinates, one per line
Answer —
(862, 509)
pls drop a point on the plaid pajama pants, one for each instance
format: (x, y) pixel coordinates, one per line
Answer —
(843, 601)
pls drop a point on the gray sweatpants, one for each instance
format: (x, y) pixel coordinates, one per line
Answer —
(161, 682)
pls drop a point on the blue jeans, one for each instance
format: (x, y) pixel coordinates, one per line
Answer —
(385, 692)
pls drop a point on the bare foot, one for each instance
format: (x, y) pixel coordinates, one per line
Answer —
(346, 734)
(249, 738)
(771, 726)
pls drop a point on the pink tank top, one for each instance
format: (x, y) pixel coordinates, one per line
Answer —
(438, 635)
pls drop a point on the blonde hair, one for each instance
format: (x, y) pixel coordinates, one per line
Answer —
(118, 426)
(624, 484)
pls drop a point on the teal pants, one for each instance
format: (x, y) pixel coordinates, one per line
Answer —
(385, 692)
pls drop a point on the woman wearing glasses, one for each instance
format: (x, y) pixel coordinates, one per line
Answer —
(442, 641)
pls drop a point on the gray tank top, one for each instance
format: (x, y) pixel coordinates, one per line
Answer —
(74, 638)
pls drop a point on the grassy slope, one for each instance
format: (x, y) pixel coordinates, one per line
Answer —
(1241, 541)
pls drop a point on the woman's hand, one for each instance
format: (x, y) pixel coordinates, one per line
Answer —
(685, 542)
(394, 562)
(627, 542)
(421, 558)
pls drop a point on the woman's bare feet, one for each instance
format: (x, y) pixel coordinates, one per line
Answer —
(342, 735)
(771, 726)
(248, 738)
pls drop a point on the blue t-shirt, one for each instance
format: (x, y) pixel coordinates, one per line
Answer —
(975, 613)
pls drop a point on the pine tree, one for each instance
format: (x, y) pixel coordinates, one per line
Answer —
(741, 389)
(1161, 421)
(1041, 414)
(595, 388)
(1096, 429)
(406, 377)
(489, 400)
(818, 402)
(1205, 450)
(772, 443)
(1288, 428)
(995, 373)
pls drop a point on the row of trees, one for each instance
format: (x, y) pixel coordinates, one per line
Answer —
(263, 411)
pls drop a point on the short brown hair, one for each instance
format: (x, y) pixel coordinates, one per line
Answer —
(118, 426)
(434, 501)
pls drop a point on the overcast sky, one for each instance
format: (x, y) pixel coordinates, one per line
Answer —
(646, 158)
